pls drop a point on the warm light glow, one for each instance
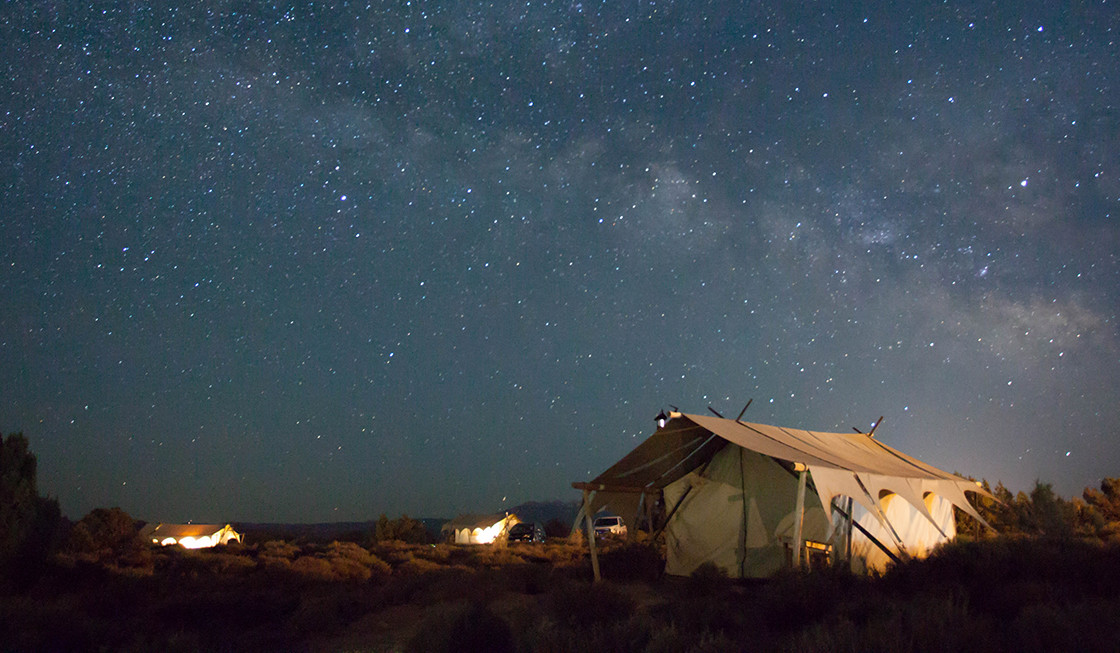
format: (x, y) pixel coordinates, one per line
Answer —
(490, 533)
(202, 542)
(484, 535)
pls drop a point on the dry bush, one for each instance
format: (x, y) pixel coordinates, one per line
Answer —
(313, 568)
(474, 627)
(442, 552)
(413, 566)
(348, 550)
(495, 556)
(279, 549)
(379, 569)
(562, 552)
(632, 561)
(233, 564)
(580, 605)
(348, 569)
(394, 552)
(528, 578)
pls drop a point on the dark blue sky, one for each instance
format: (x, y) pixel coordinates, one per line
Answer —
(317, 262)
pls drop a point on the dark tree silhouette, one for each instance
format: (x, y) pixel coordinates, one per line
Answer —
(403, 529)
(29, 524)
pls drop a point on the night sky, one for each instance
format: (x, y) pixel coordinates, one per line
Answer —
(318, 262)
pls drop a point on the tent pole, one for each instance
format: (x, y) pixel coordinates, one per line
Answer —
(848, 535)
(647, 504)
(799, 515)
(744, 409)
(874, 540)
(742, 553)
(591, 535)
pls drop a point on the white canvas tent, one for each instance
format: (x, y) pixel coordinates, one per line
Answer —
(478, 529)
(190, 536)
(753, 498)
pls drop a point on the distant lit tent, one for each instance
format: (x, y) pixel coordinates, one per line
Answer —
(190, 536)
(478, 529)
(753, 499)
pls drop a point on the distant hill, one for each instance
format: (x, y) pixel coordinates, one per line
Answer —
(343, 531)
(544, 511)
(541, 512)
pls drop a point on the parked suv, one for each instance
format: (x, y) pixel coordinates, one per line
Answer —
(526, 532)
(609, 526)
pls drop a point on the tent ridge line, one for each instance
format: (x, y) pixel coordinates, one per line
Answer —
(776, 441)
(848, 464)
(912, 463)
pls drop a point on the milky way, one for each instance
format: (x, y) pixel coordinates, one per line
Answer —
(320, 262)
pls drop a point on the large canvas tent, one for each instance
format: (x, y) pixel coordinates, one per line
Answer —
(753, 498)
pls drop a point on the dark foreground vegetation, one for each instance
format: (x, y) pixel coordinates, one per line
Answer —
(1051, 582)
(995, 595)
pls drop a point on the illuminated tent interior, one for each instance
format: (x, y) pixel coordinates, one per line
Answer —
(478, 529)
(190, 536)
(753, 499)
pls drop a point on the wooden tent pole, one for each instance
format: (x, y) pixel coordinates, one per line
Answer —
(588, 518)
(799, 515)
(874, 540)
(848, 536)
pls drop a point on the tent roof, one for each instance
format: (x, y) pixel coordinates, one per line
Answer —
(689, 440)
(476, 521)
(181, 530)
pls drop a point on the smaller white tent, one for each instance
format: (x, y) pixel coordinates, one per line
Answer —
(479, 529)
(190, 536)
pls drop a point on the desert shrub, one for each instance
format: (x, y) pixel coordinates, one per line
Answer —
(581, 605)
(379, 569)
(1041, 627)
(441, 552)
(352, 562)
(495, 556)
(279, 549)
(562, 553)
(313, 567)
(474, 628)
(528, 579)
(394, 552)
(413, 566)
(794, 599)
(631, 634)
(632, 561)
(349, 569)
(707, 580)
(322, 612)
(348, 550)
(231, 564)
